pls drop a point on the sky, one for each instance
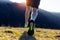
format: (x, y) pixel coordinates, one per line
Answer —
(49, 5)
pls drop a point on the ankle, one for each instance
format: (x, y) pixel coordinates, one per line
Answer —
(26, 24)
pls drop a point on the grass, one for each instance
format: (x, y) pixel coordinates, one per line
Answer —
(7, 33)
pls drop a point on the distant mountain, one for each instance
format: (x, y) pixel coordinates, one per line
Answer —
(5, 1)
(13, 14)
(48, 19)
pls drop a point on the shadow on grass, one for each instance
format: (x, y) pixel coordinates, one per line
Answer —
(25, 36)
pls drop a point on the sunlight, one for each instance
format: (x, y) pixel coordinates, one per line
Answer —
(49, 5)
(19, 1)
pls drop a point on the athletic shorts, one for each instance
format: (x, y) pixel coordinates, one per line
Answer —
(33, 3)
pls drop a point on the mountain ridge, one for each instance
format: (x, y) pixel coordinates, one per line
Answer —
(13, 14)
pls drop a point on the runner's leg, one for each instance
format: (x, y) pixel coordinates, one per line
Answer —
(34, 14)
(27, 15)
(34, 5)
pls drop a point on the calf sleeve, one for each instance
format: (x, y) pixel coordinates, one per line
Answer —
(34, 14)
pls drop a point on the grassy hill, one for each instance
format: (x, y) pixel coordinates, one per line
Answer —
(10, 33)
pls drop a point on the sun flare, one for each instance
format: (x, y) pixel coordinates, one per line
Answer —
(19, 1)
